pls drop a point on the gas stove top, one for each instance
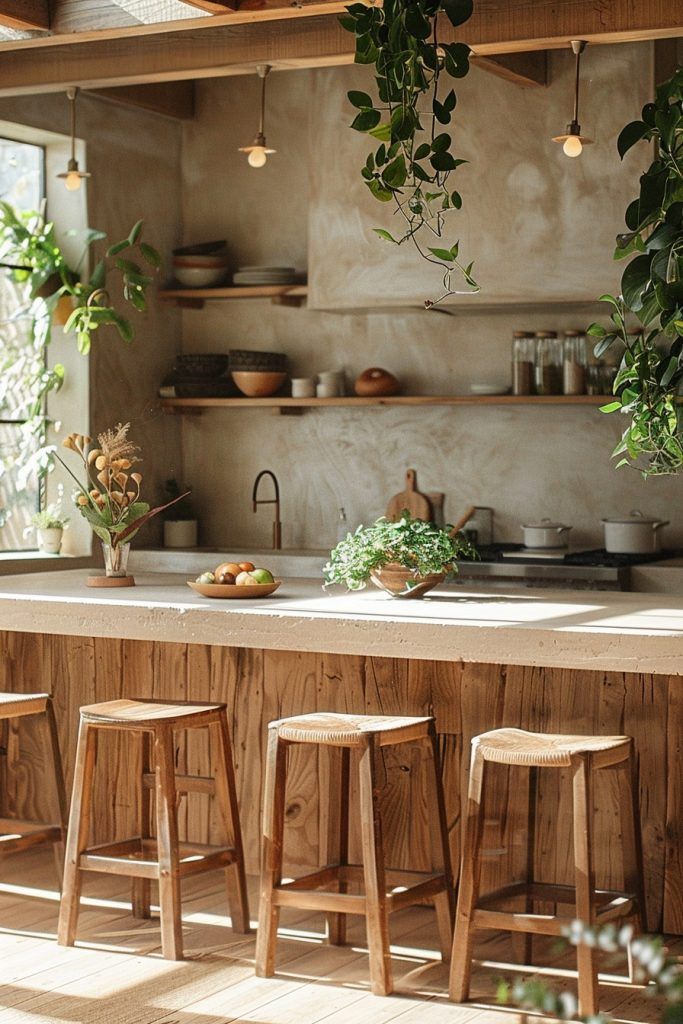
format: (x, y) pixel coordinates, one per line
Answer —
(584, 570)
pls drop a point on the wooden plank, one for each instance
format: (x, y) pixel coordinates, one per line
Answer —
(171, 99)
(203, 49)
(26, 14)
(527, 69)
(673, 875)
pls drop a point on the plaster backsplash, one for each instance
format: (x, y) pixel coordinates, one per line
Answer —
(524, 462)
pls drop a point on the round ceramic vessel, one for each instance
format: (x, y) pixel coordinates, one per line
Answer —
(401, 582)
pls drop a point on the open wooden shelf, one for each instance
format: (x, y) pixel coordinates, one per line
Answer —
(194, 298)
(196, 405)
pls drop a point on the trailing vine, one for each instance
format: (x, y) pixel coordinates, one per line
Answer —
(649, 380)
(414, 161)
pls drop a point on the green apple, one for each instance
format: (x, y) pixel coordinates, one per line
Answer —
(262, 575)
(245, 579)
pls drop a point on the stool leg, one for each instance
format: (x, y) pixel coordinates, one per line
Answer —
(271, 853)
(377, 917)
(167, 839)
(78, 833)
(522, 942)
(443, 903)
(470, 874)
(632, 843)
(585, 880)
(337, 839)
(60, 791)
(142, 887)
(235, 878)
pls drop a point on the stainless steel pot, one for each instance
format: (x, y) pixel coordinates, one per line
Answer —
(634, 534)
(545, 534)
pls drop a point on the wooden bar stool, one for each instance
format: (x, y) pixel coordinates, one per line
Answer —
(145, 857)
(18, 835)
(367, 735)
(584, 755)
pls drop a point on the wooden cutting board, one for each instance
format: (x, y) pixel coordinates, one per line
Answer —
(411, 500)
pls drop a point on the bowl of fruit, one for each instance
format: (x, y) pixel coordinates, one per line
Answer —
(235, 580)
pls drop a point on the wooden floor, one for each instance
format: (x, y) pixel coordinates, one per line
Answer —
(117, 976)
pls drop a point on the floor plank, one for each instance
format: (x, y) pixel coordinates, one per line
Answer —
(116, 972)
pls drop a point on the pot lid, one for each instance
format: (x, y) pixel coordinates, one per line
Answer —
(635, 516)
(545, 524)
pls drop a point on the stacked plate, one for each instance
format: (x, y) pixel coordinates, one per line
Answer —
(264, 275)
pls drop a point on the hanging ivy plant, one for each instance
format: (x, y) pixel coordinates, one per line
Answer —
(651, 372)
(413, 163)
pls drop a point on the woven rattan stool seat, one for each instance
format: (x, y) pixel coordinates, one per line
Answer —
(545, 750)
(138, 712)
(350, 730)
(14, 705)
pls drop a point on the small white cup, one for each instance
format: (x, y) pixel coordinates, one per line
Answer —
(333, 379)
(327, 390)
(303, 387)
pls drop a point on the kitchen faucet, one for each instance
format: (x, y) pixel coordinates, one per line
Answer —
(256, 501)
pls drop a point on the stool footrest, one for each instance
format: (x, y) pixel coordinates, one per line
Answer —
(308, 892)
(609, 906)
(138, 858)
(16, 834)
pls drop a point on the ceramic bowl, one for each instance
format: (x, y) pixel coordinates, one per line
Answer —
(258, 383)
(200, 277)
(213, 260)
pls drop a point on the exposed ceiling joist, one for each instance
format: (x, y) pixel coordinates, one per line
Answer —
(216, 47)
(25, 14)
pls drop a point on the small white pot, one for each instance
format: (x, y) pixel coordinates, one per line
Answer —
(50, 541)
(545, 534)
(635, 534)
(180, 533)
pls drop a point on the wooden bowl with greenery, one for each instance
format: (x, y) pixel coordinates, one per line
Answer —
(406, 558)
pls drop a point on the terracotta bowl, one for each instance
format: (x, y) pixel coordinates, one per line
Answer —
(401, 582)
(259, 383)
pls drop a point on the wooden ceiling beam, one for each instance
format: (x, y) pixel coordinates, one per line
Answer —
(25, 14)
(216, 47)
(526, 69)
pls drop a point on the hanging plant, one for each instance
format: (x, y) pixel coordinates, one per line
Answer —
(651, 372)
(414, 161)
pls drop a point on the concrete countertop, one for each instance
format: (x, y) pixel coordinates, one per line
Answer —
(604, 631)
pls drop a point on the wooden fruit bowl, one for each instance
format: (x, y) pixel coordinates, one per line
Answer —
(234, 591)
(401, 582)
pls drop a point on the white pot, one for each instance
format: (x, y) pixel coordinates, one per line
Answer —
(635, 534)
(180, 533)
(50, 541)
(545, 534)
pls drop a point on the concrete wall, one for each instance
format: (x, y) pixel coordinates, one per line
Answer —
(134, 158)
(539, 225)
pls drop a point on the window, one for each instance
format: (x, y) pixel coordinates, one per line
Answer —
(22, 183)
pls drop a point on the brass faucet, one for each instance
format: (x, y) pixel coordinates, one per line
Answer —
(256, 501)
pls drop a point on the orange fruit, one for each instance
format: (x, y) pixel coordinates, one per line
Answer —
(246, 566)
(230, 567)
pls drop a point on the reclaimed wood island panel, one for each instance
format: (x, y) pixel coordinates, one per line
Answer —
(466, 698)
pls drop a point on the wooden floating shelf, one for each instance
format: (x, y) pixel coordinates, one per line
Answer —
(194, 298)
(294, 405)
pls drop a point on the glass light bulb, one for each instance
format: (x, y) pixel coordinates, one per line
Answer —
(572, 146)
(257, 157)
(73, 181)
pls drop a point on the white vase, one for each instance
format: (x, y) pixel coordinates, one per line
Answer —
(50, 540)
(180, 533)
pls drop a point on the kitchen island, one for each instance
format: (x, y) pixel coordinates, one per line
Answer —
(580, 662)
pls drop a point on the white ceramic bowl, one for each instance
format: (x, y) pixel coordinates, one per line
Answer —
(200, 277)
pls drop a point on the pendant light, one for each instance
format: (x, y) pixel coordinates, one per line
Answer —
(258, 152)
(573, 141)
(72, 176)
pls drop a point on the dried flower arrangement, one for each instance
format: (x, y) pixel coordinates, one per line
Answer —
(110, 500)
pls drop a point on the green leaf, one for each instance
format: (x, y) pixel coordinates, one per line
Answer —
(118, 247)
(457, 59)
(596, 331)
(384, 195)
(450, 101)
(135, 232)
(632, 133)
(150, 254)
(456, 200)
(385, 235)
(443, 161)
(416, 23)
(442, 254)
(403, 123)
(634, 281)
(98, 276)
(395, 173)
(422, 151)
(458, 11)
(366, 120)
(361, 100)
(610, 407)
(441, 143)
(382, 132)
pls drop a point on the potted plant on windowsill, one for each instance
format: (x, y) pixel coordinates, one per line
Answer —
(49, 525)
(110, 498)
(406, 558)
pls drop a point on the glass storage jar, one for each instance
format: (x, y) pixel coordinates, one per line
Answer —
(548, 364)
(574, 363)
(522, 362)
